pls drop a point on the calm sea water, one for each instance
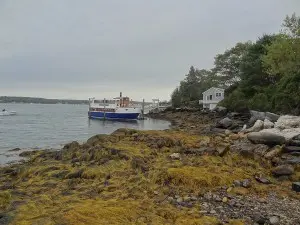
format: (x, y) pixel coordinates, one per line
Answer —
(51, 126)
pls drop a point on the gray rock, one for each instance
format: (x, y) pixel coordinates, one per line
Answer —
(283, 170)
(269, 139)
(288, 134)
(296, 186)
(272, 116)
(274, 220)
(268, 124)
(252, 121)
(237, 183)
(295, 154)
(289, 149)
(262, 180)
(5, 218)
(225, 123)
(258, 126)
(260, 219)
(258, 115)
(246, 183)
(293, 161)
(295, 141)
(285, 122)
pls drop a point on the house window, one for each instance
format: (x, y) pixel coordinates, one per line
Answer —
(218, 94)
(209, 97)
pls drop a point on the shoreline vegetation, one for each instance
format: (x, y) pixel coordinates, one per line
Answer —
(262, 75)
(184, 175)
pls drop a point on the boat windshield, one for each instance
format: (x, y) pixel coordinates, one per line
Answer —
(105, 101)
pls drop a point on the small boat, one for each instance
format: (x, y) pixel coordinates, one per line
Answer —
(4, 112)
(120, 108)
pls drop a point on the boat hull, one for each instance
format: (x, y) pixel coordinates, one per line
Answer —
(113, 116)
(6, 113)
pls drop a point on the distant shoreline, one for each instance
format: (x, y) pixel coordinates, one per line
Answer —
(36, 100)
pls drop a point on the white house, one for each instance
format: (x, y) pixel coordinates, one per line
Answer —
(212, 97)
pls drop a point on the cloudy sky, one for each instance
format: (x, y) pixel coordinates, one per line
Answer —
(97, 48)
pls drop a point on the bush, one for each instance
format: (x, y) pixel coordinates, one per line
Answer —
(236, 101)
(260, 102)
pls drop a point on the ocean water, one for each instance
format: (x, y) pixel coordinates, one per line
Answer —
(40, 126)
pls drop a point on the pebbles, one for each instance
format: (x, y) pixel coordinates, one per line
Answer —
(250, 208)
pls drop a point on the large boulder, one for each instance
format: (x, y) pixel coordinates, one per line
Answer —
(225, 123)
(288, 134)
(269, 139)
(286, 122)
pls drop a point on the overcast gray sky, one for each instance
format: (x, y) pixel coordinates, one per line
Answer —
(95, 48)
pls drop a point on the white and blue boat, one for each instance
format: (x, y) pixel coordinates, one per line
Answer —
(120, 108)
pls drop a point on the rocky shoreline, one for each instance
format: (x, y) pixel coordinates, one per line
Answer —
(198, 172)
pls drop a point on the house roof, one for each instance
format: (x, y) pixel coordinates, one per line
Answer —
(216, 89)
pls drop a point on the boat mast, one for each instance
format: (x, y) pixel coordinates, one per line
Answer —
(121, 100)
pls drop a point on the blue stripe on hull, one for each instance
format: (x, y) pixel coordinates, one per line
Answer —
(124, 116)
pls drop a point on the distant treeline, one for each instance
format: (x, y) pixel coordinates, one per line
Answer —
(11, 99)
